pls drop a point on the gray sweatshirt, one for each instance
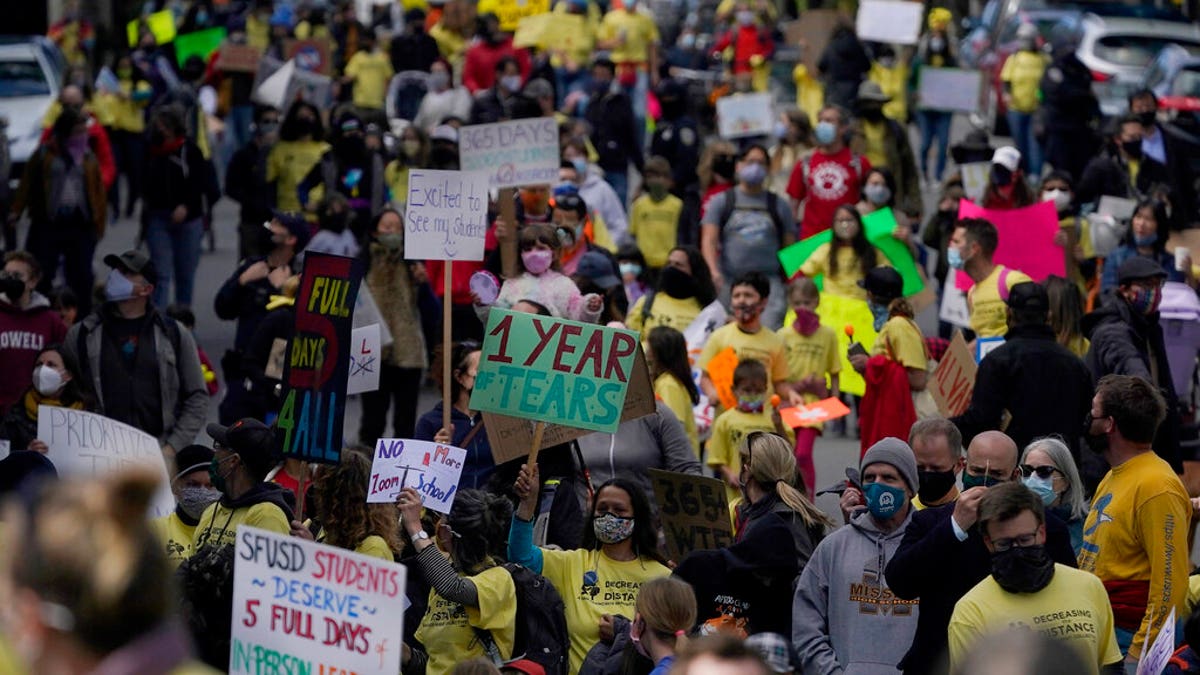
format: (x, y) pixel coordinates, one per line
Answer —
(656, 441)
(844, 617)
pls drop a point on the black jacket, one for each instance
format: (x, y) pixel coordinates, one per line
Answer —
(245, 303)
(246, 183)
(1179, 151)
(1045, 388)
(1123, 343)
(614, 132)
(933, 565)
(417, 51)
(1108, 174)
(179, 177)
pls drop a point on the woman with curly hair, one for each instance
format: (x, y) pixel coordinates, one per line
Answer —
(344, 518)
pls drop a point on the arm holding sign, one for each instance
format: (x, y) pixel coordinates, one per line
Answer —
(520, 534)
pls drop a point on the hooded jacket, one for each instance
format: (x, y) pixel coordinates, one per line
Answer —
(24, 331)
(845, 619)
(266, 505)
(479, 464)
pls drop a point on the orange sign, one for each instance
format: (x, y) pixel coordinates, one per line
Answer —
(720, 371)
(819, 412)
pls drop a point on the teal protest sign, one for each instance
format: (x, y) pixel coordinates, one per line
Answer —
(554, 370)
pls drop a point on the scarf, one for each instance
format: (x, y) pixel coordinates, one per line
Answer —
(33, 399)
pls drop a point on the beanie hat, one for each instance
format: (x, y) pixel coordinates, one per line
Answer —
(897, 453)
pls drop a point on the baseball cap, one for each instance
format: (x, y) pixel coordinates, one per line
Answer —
(1007, 157)
(883, 282)
(527, 666)
(444, 132)
(1029, 295)
(249, 439)
(193, 458)
(296, 225)
(775, 650)
(595, 266)
(1139, 267)
(133, 261)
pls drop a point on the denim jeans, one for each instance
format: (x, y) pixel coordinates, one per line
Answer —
(619, 180)
(175, 250)
(1021, 126)
(934, 125)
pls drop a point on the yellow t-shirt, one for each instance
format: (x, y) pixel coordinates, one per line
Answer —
(373, 545)
(395, 176)
(762, 346)
(875, 149)
(1072, 609)
(592, 584)
(989, 316)
(448, 628)
(176, 536)
(1023, 72)
(654, 225)
(218, 525)
(728, 430)
(288, 164)
(371, 72)
(258, 33)
(636, 33)
(815, 354)
(849, 272)
(666, 311)
(668, 388)
(577, 42)
(1137, 530)
(451, 44)
(901, 341)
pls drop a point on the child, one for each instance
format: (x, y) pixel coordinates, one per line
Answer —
(846, 259)
(665, 612)
(654, 217)
(753, 413)
(748, 337)
(666, 350)
(811, 355)
(542, 282)
(634, 274)
(334, 236)
(185, 317)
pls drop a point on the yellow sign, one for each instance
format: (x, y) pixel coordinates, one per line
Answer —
(161, 24)
(510, 12)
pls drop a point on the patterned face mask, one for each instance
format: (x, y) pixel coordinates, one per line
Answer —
(612, 529)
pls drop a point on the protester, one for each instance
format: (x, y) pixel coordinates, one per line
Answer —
(794, 132)
(828, 178)
(972, 249)
(937, 446)
(671, 374)
(635, 278)
(843, 66)
(1066, 315)
(749, 338)
(368, 71)
(1146, 238)
(27, 323)
(665, 612)
(351, 169)
(884, 143)
(468, 432)
(754, 412)
(1007, 187)
(500, 101)
(935, 49)
(56, 383)
(601, 199)
(1069, 106)
(654, 217)
(1123, 169)
(683, 290)
(1020, 76)
(344, 518)
(844, 261)
(542, 282)
(444, 99)
(301, 145)
(194, 493)
(1169, 149)
(246, 183)
(1051, 472)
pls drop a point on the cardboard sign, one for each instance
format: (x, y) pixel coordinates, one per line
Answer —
(811, 32)
(201, 43)
(312, 55)
(949, 89)
(890, 21)
(954, 309)
(516, 153)
(554, 370)
(975, 179)
(318, 360)
(1026, 239)
(431, 469)
(745, 115)
(304, 607)
(510, 12)
(366, 360)
(954, 379)
(238, 58)
(694, 512)
(1154, 660)
(446, 215)
(88, 445)
(814, 414)
(512, 437)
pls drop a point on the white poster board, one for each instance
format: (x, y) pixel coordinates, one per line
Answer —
(445, 217)
(304, 607)
(432, 469)
(745, 115)
(366, 312)
(891, 21)
(87, 445)
(949, 89)
(516, 153)
(1119, 208)
(954, 303)
(975, 179)
(366, 360)
(1154, 660)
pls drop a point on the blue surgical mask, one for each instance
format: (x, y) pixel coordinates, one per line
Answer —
(632, 269)
(118, 287)
(879, 313)
(883, 501)
(825, 133)
(1042, 487)
(1147, 240)
(954, 258)
(752, 174)
(581, 166)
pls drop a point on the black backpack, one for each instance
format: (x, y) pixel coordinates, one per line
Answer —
(730, 206)
(541, 634)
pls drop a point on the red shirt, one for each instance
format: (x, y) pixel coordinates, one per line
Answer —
(23, 333)
(829, 182)
(479, 69)
(747, 41)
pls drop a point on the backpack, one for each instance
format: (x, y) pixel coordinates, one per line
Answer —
(541, 634)
(772, 209)
(168, 325)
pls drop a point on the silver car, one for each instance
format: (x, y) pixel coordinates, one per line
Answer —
(31, 74)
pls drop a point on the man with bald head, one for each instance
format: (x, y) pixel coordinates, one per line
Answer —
(71, 96)
(942, 555)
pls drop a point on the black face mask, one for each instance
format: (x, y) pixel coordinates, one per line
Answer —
(723, 165)
(1024, 569)
(1147, 118)
(12, 288)
(676, 283)
(352, 148)
(444, 158)
(1132, 148)
(934, 485)
(871, 113)
(1098, 443)
(1001, 175)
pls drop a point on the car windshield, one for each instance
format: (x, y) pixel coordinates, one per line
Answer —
(22, 78)
(1136, 50)
(1187, 83)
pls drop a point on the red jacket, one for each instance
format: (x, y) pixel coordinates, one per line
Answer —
(98, 139)
(887, 406)
(23, 333)
(479, 69)
(747, 41)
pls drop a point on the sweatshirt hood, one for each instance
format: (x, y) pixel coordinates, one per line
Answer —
(263, 492)
(37, 303)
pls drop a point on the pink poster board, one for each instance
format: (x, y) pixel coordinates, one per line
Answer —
(1026, 240)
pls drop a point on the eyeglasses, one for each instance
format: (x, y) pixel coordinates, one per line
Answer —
(1043, 471)
(1020, 541)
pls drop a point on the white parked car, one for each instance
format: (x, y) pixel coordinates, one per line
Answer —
(31, 74)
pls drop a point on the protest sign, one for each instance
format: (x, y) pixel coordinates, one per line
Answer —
(1119, 208)
(366, 360)
(432, 469)
(5, 449)
(1154, 660)
(516, 153)
(1026, 239)
(554, 370)
(366, 312)
(975, 179)
(201, 43)
(811, 32)
(87, 445)
(552, 32)
(954, 379)
(304, 607)
(815, 413)
(745, 115)
(234, 58)
(891, 21)
(318, 360)
(879, 226)
(446, 215)
(949, 89)
(312, 55)
(512, 437)
(694, 512)
(107, 82)
(985, 346)
(954, 308)
(279, 84)
(511, 12)
(161, 25)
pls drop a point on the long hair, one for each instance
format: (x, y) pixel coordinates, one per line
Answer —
(645, 535)
(459, 352)
(770, 461)
(539, 233)
(342, 508)
(77, 390)
(288, 130)
(706, 290)
(668, 352)
(668, 606)
(1066, 309)
(1158, 210)
(1060, 456)
(480, 523)
(863, 249)
(889, 179)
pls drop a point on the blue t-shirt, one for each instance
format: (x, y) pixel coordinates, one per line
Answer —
(663, 666)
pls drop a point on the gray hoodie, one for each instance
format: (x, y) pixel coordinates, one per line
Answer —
(844, 617)
(656, 441)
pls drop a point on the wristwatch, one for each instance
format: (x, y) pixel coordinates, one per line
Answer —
(420, 535)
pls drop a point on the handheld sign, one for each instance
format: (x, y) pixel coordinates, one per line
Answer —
(366, 360)
(446, 215)
(318, 360)
(432, 469)
(891, 21)
(815, 413)
(694, 512)
(954, 379)
(1154, 660)
(1026, 239)
(516, 153)
(949, 89)
(304, 607)
(745, 115)
(554, 370)
(88, 445)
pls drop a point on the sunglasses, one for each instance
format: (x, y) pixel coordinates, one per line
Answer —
(1044, 471)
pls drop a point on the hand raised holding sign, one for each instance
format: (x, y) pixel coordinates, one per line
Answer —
(527, 487)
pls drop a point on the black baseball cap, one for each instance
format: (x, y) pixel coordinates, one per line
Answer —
(1139, 267)
(251, 440)
(191, 459)
(883, 282)
(296, 225)
(133, 261)
(1030, 296)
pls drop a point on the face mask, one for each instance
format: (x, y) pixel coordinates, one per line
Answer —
(537, 261)
(872, 113)
(612, 529)
(581, 166)
(1042, 487)
(411, 148)
(194, 500)
(118, 287)
(751, 404)
(214, 475)
(844, 229)
(745, 18)
(12, 288)
(657, 191)
(392, 241)
(1147, 118)
(1061, 199)
(677, 283)
(985, 480)
(934, 485)
(877, 194)
(937, 44)
(1023, 569)
(883, 501)
(1145, 240)
(752, 174)
(439, 81)
(1146, 301)
(1098, 443)
(1132, 148)
(954, 258)
(879, 313)
(601, 87)
(825, 133)
(781, 130)
(806, 322)
(1001, 176)
(630, 269)
(47, 380)
(511, 83)
(746, 312)
(267, 129)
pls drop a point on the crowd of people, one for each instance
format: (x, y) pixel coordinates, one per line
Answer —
(1047, 522)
